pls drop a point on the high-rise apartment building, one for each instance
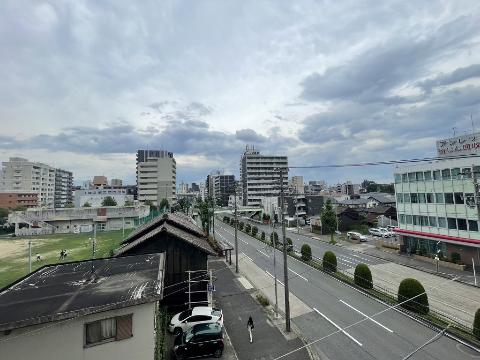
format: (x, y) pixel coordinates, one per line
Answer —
(297, 186)
(260, 176)
(63, 188)
(220, 186)
(156, 176)
(116, 183)
(19, 174)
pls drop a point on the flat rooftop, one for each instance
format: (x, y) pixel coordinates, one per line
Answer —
(68, 290)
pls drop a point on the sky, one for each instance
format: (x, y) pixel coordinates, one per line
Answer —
(85, 84)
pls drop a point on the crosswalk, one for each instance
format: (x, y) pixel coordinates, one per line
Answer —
(346, 261)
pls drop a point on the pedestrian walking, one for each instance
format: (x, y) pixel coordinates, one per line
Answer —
(39, 258)
(250, 328)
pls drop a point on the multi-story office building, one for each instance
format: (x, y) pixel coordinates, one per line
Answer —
(437, 206)
(115, 183)
(195, 188)
(260, 176)
(220, 186)
(19, 174)
(315, 187)
(63, 188)
(297, 186)
(156, 176)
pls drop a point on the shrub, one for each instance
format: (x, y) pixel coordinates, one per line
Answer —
(456, 258)
(263, 300)
(274, 238)
(476, 325)
(262, 237)
(226, 219)
(240, 225)
(248, 228)
(329, 261)
(363, 276)
(289, 241)
(411, 289)
(306, 252)
(254, 231)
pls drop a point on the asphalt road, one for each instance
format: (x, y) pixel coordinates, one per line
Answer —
(390, 335)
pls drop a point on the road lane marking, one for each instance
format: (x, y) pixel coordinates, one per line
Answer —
(243, 241)
(368, 317)
(338, 327)
(247, 256)
(273, 277)
(261, 252)
(300, 276)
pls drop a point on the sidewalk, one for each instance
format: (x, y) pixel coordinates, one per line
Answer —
(237, 305)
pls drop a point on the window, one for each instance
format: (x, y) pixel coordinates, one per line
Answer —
(424, 220)
(427, 175)
(449, 198)
(456, 173)
(452, 223)
(433, 221)
(398, 178)
(416, 220)
(459, 198)
(419, 176)
(421, 198)
(402, 219)
(462, 224)
(400, 198)
(439, 198)
(446, 174)
(430, 198)
(470, 199)
(411, 177)
(442, 223)
(436, 175)
(406, 198)
(405, 178)
(408, 218)
(467, 172)
(414, 198)
(472, 225)
(112, 329)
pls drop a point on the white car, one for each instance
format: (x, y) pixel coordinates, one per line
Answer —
(198, 315)
(386, 232)
(356, 236)
(376, 232)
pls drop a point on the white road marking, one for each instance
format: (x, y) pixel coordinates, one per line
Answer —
(261, 252)
(338, 327)
(300, 276)
(274, 278)
(247, 256)
(368, 317)
(243, 241)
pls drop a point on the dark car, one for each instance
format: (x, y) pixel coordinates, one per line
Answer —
(200, 340)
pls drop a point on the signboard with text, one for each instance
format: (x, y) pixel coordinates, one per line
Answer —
(460, 145)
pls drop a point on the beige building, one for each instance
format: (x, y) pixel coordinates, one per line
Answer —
(22, 175)
(297, 186)
(156, 176)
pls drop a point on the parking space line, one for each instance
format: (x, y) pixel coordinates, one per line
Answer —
(368, 317)
(338, 327)
(300, 276)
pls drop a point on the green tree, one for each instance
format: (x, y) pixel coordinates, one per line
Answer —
(254, 231)
(3, 215)
(329, 220)
(413, 297)
(274, 238)
(164, 205)
(87, 204)
(150, 203)
(306, 252)
(476, 324)
(205, 211)
(69, 205)
(329, 261)
(363, 276)
(262, 236)
(128, 203)
(248, 228)
(109, 201)
(184, 204)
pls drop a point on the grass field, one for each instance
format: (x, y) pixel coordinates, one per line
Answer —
(14, 251)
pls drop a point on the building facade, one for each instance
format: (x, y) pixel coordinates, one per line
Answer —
(99, 181)
(220, 187)
(297, 187)
(437, 208)
(95, 197)
(22, 175)
(156, 176)
(116, 183)
(14, 199)
(63, 188)
(260, 176)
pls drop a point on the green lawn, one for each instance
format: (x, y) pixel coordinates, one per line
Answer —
(14, 251)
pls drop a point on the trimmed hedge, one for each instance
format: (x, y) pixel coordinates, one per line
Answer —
(363, 276)
(306, 251)
(274, 236)
(262, 237)
(476, 325)
(248, 228)
(330, 261)
(226, 220)
(254, 231)
(411, 289)
(240, 225)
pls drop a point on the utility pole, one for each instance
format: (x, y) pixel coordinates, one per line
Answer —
(236, 237)
(30, 256)
(274, 245)
(189, 291)
(285, 256)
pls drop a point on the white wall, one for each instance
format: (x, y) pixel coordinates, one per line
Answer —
(65, 340)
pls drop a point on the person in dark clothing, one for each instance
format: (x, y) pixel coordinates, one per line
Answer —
(250, 328)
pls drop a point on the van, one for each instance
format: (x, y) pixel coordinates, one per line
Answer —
(200, 340)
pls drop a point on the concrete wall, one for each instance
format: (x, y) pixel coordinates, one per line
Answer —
(65, 340)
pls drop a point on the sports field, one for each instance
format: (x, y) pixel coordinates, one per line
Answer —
(14, 251)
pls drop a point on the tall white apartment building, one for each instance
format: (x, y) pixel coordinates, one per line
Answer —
(156, 176)
(19, 174)
(438, 203)
(63, 188)
(260, 176)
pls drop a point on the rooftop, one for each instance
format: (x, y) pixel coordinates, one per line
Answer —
(69, 290)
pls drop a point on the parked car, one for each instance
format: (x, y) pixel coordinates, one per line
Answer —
(376, 232)
(357, 236)
(200, 314)
(386, 232)
(200, 340)
(391, 227)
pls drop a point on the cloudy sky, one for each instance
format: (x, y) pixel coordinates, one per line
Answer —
(84, 84)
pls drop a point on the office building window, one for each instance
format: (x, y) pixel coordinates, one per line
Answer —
(446, 174)
(406, 198)
(402, 219)
(419, 176)
(405, 177)
(398, 178)
(442, 223)
(462, 224)
(430, 198)
(452, 223)
(439, 198)
(472, 225)
(456, 173)
(432, 221)
(467, 172)
(470, 199)
(424, 220)
(421, 198)
(416, 220)
(414, 198)
(408, 219)
(400, 198)
(411, 177)
(436, 175)
(427, 175)
(449, 198)
(459, 198)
